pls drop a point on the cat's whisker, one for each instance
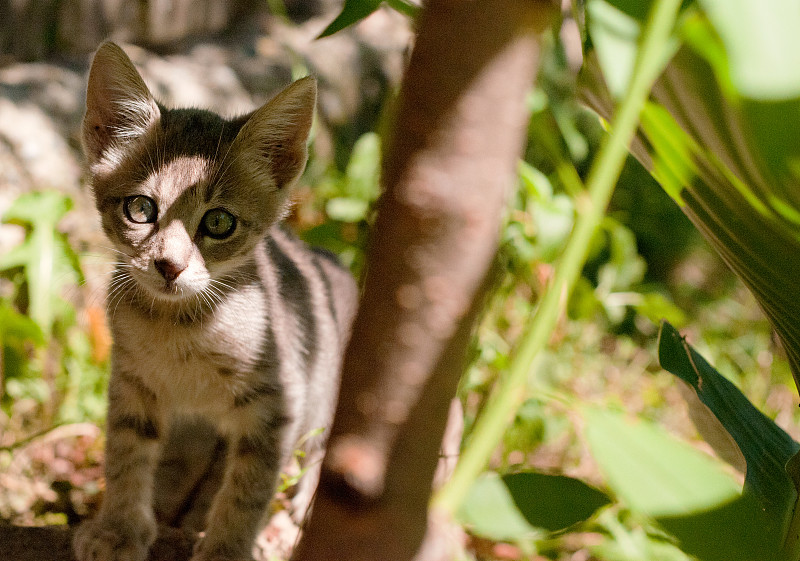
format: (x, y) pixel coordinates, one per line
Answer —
(210, 297)
(120, 287)
(98, 293)
(217, 283)
(115, 250)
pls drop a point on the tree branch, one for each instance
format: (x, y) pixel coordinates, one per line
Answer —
(453, 155)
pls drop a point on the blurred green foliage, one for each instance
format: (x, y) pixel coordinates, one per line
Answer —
(47, 355)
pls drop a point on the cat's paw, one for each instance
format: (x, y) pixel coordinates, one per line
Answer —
(113, 540)
(213, 557)
(204, 552)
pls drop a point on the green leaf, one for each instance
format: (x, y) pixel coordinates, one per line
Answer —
(656, 307)
(535, 182)
(732, 162)
(765, 446)
(37, 207)
(520, 506)
(762, 43)
(652, 472)
(353, 11)
(347, 209)
(553, 502)
(362, 175)
(688, 493)
(489, 511)
(554, 220)
(672, 151)
(615, 36)
(615, 27)
(15, 327)
(48, 260)
(736, 531)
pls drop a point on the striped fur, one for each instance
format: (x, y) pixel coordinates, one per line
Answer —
(242, 333)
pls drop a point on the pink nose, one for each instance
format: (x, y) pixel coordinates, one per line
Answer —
(169, 269)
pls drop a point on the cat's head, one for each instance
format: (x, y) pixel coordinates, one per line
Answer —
(184, 194)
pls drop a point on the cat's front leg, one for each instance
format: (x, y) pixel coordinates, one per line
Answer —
(239, 508)
(125, 528)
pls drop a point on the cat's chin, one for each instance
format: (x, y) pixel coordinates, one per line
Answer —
(169, 293)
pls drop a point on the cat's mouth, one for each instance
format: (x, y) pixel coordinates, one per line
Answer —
(171, 289)
(162, 289)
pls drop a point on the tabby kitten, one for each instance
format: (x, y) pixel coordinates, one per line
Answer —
(216, 311)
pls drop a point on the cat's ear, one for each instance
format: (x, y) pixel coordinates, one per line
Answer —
(274, 137)
(119, 107)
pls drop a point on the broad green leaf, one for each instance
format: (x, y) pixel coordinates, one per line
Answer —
(723, 137)
(687, 492)
(735, 531)
(672, 151)
(652, 472)
(553, 502)
(405, 7)
(553, 214)
(764, 445)
(489, 511)
(762, 43)
(520, 506)
(640, 9)
(354, 11)
(554, 220)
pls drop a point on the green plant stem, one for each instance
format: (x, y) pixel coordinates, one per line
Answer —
(591, 206)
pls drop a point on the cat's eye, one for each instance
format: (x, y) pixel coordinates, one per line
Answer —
(140, 209)
(218, 223)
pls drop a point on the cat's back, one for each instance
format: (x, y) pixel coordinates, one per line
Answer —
(312, 287)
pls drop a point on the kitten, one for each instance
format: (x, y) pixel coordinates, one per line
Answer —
(217, 313)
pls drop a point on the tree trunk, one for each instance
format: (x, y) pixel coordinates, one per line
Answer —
(453, 155)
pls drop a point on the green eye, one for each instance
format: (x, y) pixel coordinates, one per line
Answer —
(140, 209)
(218, 223)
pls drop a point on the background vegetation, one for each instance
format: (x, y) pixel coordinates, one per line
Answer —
(607, 484)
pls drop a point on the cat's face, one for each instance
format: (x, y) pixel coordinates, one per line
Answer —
(180, 233)
(185, 195)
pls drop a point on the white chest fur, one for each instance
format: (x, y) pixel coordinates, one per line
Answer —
(198, 366)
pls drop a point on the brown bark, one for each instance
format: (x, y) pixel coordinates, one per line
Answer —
(453, 155)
